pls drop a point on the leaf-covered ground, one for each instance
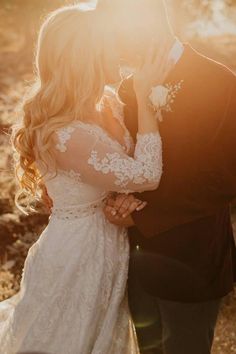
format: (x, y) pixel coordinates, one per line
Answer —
(19, 232)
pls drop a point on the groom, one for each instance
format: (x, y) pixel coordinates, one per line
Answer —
(182, 246)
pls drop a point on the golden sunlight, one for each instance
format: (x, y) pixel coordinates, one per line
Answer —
(70, 77)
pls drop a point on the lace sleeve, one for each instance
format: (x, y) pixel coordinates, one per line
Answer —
(101, 161)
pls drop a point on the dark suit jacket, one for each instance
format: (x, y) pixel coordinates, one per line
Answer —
(185, 234)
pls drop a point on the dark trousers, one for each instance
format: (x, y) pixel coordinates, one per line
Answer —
(166, 327)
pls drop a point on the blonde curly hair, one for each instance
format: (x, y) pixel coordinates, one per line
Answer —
(70, 78)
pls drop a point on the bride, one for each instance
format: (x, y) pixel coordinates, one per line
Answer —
(72, 138)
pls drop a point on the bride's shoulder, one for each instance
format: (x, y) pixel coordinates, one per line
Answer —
(63, 134)
(79, 132)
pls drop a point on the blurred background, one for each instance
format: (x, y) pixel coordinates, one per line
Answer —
(209, 26)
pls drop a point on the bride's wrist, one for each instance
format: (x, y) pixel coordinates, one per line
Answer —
(142, 97)
(147, 121)
(144, 105)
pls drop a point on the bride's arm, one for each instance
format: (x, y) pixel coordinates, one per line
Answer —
(153, 72)
(101, 162)
(104, 164)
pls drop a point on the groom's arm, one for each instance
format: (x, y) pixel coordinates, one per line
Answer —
(212, 192)
(170, 209)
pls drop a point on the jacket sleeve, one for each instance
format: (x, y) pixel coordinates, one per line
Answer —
(215, 187)
(227, 137)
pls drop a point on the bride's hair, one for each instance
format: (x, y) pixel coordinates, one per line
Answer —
(70, 79)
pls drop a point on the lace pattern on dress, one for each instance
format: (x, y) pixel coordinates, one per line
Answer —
(72, 174)
(138, 171)
(64, 135)
(81, 211)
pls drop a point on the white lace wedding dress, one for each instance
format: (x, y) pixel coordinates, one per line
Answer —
(73, 290)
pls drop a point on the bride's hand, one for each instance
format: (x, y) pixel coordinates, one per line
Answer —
(123, 205)
(153, 71)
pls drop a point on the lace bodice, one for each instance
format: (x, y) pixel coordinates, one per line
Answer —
(91, 164)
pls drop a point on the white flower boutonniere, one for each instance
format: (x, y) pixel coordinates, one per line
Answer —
(159, 96)
(162, 97)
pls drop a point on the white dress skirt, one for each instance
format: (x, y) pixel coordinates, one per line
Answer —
(72, 298)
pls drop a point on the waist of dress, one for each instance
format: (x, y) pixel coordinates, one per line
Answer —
(77, 211)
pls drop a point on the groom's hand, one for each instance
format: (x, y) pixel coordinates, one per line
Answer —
(119, 208)
(123, 205)
(119, 221)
